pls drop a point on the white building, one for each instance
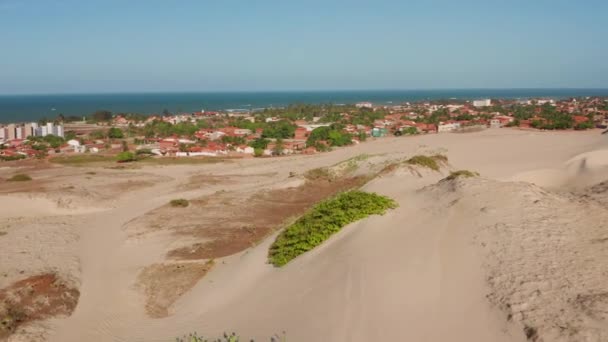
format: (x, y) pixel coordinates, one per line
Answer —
(448, 126)
(42, 131)
(495, 123)
(482, 103)
(58, 131)
(541, 102)
(364, 105)
(245, 150)
(11, 134)
(49, 128)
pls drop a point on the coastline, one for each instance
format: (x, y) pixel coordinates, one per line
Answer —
(21, 108)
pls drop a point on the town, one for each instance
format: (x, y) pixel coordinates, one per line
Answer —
(299, 128)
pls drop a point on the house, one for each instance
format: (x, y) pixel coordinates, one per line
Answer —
(245, 149)
(448, 126)
(426, 128)
(495, 123)
(379, 132)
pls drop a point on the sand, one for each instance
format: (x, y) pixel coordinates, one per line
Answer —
(515, 254)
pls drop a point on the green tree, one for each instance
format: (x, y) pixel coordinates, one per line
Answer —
(279, 129)
(259, 143)
(98, 134)
(69, 135)
(332, 134)
(279, 146)
(115, 133)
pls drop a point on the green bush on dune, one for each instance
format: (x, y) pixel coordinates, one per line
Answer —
(179, 203)
(125, 157)
(226, 338)
(20, 177)
(433, 162)
(323, 220)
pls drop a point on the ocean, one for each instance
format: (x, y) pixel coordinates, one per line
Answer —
(22, 108)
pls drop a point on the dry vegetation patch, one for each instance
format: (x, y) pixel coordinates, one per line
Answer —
(163, 284)
(228, 224)
(20, 177)
(35, 298)
(461, 174)
(179, 203)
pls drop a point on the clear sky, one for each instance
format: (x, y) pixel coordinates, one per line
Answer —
(69, 46)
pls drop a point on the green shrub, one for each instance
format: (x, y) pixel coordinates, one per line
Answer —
(179, 203)
(323, 220)
(258, 152)
(20, 177)
(226, 338)
(461, 173)
(115, 133)
(143, 151)
(11, 158)
(124, 157)
(433, 162)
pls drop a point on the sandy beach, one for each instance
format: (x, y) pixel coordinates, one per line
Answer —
(516, 254)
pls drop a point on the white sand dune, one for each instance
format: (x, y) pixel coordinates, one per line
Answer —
(37, 206)
(441, 267)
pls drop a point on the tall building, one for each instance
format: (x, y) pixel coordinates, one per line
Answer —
(58, 130)
(28, 129)
(41, 131)
(11, 135)
(3, 133)
(19, 132)
(49, 128)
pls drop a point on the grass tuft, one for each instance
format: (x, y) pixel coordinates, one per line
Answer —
(20, 177)
(433, 162)
(233, 337)
(324, 220)
(318, 174)
(179, 203)
(461, 173)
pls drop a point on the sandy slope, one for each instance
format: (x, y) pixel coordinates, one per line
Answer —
(428, 271)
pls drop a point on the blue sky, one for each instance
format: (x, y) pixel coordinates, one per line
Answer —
(76, 46)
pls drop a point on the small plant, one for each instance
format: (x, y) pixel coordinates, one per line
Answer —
(324, 220)
(461, 173)
(91, 173)
(179, 203)
(321, 173)
(11, 158)
(143, 151)
(20, 177)
(226, 338)
(124, 157)
(433, 162)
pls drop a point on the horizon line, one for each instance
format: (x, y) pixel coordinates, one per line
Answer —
(133, 92)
